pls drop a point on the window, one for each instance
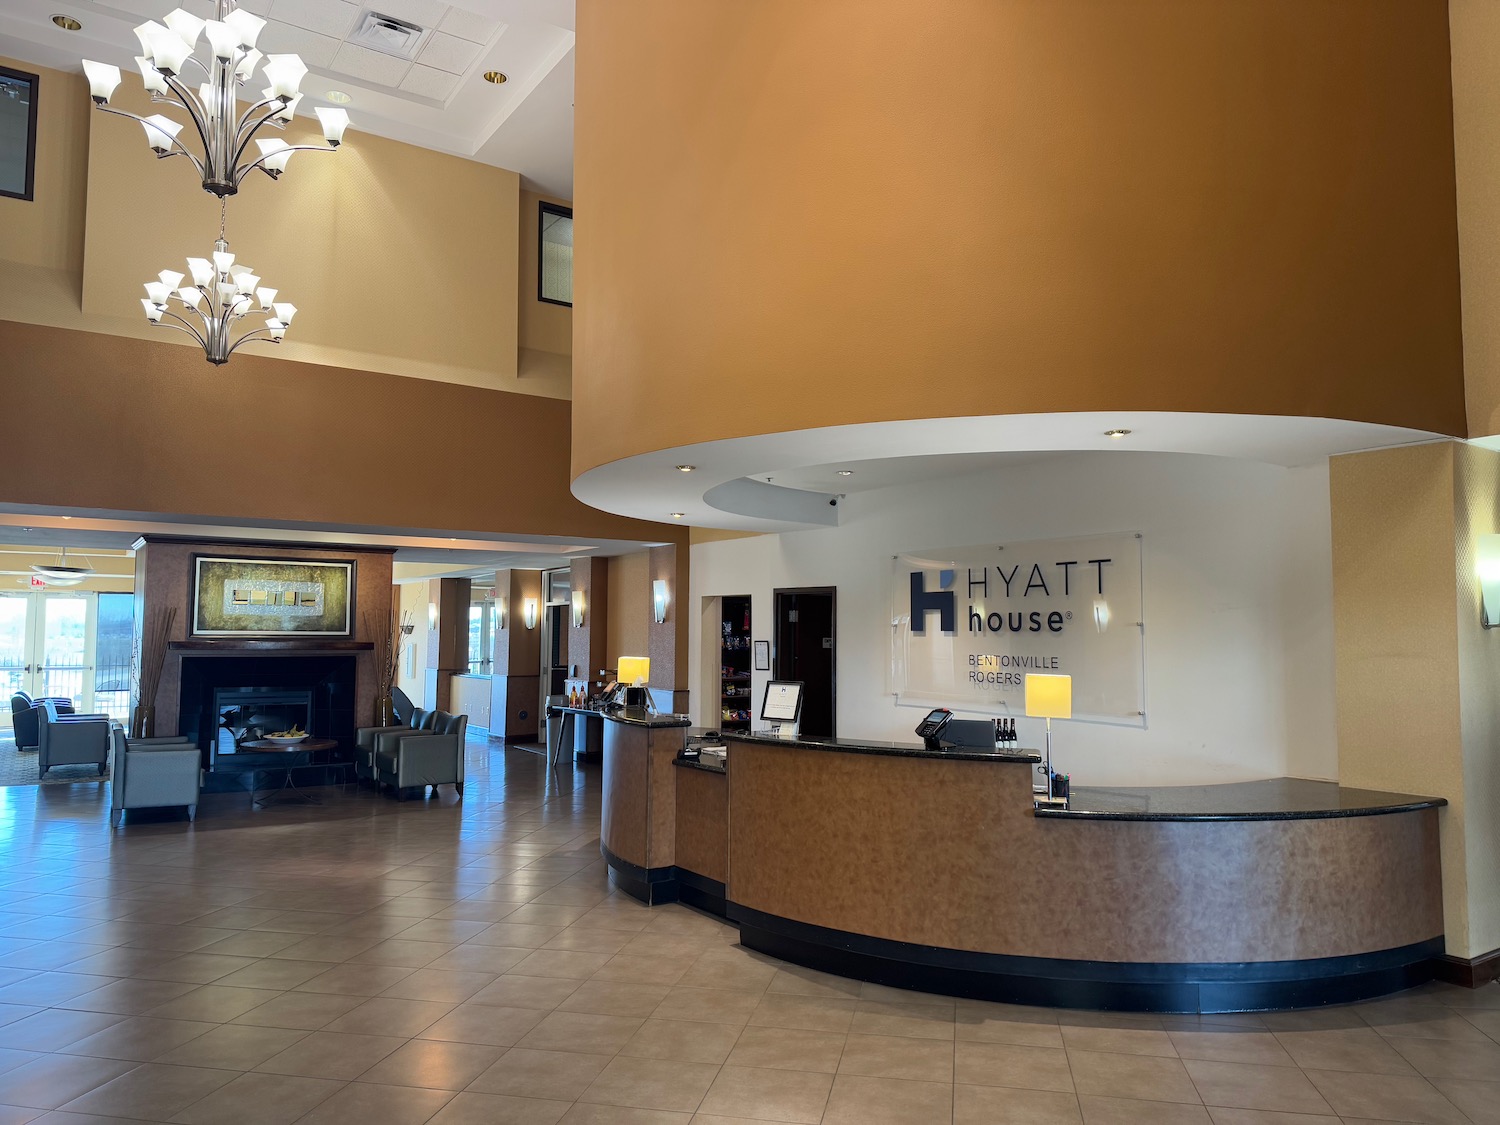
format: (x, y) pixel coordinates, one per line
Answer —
(482, 626)
(18, 141)
(555, 255)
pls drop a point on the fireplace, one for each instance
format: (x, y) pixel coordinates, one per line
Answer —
(273, 691)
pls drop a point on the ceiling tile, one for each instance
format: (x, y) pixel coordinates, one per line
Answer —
(448, 52)
(316, 50)
(469, 25)
(425, 82)
(372, 66)
(326, 17)
(423, 13)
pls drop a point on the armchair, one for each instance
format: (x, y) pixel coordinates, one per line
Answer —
(152, 773)
(74, 740)
(26, 717)
(366, 738)
(421, 758)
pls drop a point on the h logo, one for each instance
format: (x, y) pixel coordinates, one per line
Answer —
(924, 602)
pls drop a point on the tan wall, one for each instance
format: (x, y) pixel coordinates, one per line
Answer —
(45, 236)
(588, 644)
(1475, 40)
(1243, 206)
(545, 330)
(153, 428)
(114, 571)
(629, 607)
(414, 601)
(1418, 679)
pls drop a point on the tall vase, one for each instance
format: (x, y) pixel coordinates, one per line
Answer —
(143, 721)
(385, 711)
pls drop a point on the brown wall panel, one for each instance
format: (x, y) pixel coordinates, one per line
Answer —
(1244, 206)
(703, 823)
(947, 853)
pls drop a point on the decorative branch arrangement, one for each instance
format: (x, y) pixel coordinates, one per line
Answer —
(149, 657)
(390, 642)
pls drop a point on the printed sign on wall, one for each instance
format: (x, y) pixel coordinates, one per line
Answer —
(968, 623)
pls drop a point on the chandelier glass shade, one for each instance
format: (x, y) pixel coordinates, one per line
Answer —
(168, 63)
(222, 294)
(62, 574)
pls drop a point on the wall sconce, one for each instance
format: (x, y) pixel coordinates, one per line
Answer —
(1487, 563)
(659, 599)
(503, 607)
(577, 609)
(432, 615)
(529, 612)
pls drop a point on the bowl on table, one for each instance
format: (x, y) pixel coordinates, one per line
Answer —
(286, 741)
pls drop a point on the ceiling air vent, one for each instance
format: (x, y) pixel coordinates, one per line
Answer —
(388, 35)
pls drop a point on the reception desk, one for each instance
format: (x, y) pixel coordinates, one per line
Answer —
(931, 870)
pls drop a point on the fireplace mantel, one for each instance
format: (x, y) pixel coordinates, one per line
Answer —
(259, 646)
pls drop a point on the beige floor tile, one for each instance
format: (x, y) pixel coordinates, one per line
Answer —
(779, 1048)
(569, 963)
(1142, 1077)
(1005, 1064)
(794, 980)
(128, 997)
(1252, 1086)
(615, 998)
(264, 1099)
(884, 1018)
(587, 939)
(213, 1002)
(53, 1029)
(1486, 1020)
(581, 1032)
(365, 1103)
(139, 1039)
(434, 1065)
(355, 980)
(892, 1056)
(1427, 1022)
(1384, 1097)
(492, 959)
(252, 943)
(707, 1005)
(545, 993)
(270, 972)
(591, 1113)
(470, 1108)
(54, 1079)
(402, 954)
(887, 1101)
(994, 1105)
(681, 1039)
(1121, 1040)
(331, 1054)
(325, 947)
(232, 1047)
(1125, 1111)
(1446, 1058)
(196, 968)
(732, 972)
(515, 935)
(1480, 1100)
(667, 1084)
(151, 1092)
(1223, 1115)
(524, 1073)
(642, 970)
(384, 1015)
(983, 1022)
(1231, 1046)
(448, 986)
(1354, 1049)
(301, 1011)
(453, 931)
(484, 1024)
(774, 1095)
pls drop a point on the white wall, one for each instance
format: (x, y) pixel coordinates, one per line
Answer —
(1238, 604)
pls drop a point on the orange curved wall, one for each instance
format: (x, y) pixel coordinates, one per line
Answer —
(797, 213)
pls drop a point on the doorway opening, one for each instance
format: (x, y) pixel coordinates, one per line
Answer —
(806, 650)
(67, 646)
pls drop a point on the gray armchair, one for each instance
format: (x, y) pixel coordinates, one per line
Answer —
(154, 773)
(421, 758)
(26, 717)
(368, 739)
(72, 740)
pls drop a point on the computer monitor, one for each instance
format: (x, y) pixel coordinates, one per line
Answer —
(782, 702)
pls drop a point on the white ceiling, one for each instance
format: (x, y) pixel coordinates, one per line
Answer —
(438, 100)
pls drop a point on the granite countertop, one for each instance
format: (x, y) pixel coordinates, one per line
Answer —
(1279, 798)
(885, 749)
(695, 764)
(644, 720)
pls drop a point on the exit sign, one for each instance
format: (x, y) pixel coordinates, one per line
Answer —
(38, 582)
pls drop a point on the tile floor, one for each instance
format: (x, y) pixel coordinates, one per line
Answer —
(464, 963)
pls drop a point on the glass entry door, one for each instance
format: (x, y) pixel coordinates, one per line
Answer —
(15, 613)
(47, 643)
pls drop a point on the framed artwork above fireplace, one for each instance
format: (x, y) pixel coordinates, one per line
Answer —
(247, 597)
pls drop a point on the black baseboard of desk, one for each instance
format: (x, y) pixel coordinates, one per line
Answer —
(656, 885)
(1098, 985)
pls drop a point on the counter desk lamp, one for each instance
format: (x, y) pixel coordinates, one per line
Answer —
(635, 672)
(1049, 697)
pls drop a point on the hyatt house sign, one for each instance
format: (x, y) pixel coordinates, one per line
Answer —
(968, 623)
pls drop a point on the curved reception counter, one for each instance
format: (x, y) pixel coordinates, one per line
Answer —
(932, 871)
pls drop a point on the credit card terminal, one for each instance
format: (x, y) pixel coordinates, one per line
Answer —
(930, 727)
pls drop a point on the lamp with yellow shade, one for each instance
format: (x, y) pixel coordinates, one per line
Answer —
(1049, 697)
(634, 672)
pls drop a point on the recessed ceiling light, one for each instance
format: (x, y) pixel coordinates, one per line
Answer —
(678, 515)
(67, 23)
(67, 517)
(1115, 433)
(686, 468)
(338, 97)
(496, 77)
(846, 472)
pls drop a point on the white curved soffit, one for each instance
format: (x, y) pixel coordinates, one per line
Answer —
(729, 488)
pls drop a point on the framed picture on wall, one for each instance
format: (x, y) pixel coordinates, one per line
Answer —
(272, 597)
(17, 133)
(762, 656)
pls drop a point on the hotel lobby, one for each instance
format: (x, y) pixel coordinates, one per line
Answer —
(967, 594)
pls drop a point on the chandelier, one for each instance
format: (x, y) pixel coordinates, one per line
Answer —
(222, 294)
(62, 574)
(225, 133)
